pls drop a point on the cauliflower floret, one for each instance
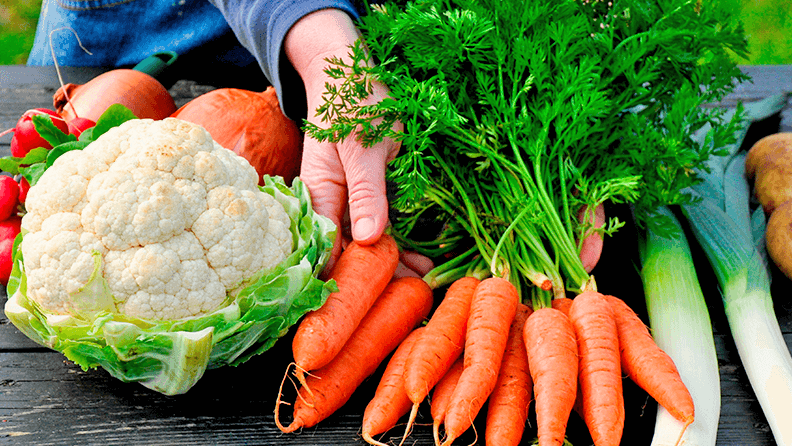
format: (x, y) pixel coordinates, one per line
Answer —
(179, 221)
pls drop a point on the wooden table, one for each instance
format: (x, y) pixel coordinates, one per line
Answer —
(46, 400)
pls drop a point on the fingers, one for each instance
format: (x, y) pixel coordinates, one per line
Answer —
(323, 175)
(416, 262)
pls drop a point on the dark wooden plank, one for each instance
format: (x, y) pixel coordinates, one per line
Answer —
(53, 401)
(11, 339)
(48, 401)
(12, 76)
(23, 88)
(766, 80)
(742, 421)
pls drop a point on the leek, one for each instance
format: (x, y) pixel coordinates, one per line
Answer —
(681, 326)
(726, 228)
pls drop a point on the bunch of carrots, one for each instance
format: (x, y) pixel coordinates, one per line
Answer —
(480, 345)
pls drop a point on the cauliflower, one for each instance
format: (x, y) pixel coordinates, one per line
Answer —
(179, 221)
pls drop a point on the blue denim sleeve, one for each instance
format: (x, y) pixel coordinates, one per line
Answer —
(112, 33)
(261, 26)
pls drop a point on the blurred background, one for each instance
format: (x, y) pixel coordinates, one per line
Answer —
(768, 25)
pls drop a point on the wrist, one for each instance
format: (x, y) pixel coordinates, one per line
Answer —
(315, 37)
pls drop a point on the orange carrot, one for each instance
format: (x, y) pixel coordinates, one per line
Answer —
(441, 396)
(648, 365)
(361, 273)
(390, 401)
(553, 362)
(440, 344)
(492, 311)
(599, 367)
(404, 303)
(563, 304)
(507, 409)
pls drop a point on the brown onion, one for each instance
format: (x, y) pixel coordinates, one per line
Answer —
(144, 95)
(137, 89)
(252, 125)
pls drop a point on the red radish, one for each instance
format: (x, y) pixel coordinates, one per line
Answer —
(591, 248)
(9, 228)
(26, 138)
(24, 187)
(79, 125)
(9, 196)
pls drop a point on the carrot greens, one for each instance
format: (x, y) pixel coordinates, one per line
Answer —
(518, 114)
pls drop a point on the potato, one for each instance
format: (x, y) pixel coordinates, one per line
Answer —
(773, 183)
(765, 149)
(779, 237)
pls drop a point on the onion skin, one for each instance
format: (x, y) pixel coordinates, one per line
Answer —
(252, 125)
(145, 96)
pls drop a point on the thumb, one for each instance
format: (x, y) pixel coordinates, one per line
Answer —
(365, 175)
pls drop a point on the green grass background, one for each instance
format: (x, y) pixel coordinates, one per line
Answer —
(768, 25)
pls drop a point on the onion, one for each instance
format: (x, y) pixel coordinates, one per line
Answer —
(252, 125)
(135, 88)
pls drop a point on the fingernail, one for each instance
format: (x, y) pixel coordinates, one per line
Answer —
(363, 229)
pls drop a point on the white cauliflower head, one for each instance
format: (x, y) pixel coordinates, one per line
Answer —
(178, 220)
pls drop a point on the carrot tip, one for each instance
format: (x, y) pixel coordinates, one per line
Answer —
(688, 422)
(280, 401)
(410, 422)
(367, 437)
(291, 427)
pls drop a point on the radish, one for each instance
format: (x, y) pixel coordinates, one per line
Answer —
(9, 196)
(9, 228)
(24, 187)
(26, 138)
(79, 125)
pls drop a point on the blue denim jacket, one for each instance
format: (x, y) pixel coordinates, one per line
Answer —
(121, 33)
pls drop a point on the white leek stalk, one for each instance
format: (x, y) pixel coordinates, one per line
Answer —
(681, 326)
(745, 282)
(730, 235)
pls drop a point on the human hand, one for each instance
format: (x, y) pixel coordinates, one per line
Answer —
(343, 178)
